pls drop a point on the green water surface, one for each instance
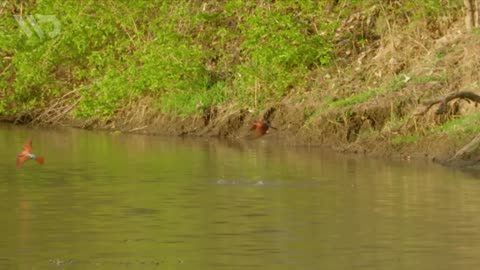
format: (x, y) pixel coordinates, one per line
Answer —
(105, 201)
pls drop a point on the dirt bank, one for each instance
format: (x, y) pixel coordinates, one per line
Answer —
(395, 95)
(398, 114)
(364, 128)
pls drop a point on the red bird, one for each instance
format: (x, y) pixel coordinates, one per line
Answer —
(260, 128)
(26, 154)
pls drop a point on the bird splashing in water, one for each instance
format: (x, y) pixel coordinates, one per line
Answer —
(261, 128)
(27, 154)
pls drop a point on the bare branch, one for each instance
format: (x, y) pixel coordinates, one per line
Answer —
(467, 95)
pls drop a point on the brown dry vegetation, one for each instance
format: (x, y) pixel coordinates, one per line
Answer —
(373, 99)
(403, 72)
(407, 70)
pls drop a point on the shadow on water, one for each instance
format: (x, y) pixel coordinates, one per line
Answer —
(105, 201)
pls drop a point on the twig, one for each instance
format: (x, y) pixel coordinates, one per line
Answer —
(6, 68)
(416, 41)
(336, 123)
(138, 128)
(65, 111)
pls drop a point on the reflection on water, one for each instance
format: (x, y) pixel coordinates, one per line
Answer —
(104, 201)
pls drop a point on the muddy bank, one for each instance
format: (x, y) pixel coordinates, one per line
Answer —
(362, 129)
(410, 93)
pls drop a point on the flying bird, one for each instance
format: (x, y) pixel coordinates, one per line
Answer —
(261, 128)
(26, 154)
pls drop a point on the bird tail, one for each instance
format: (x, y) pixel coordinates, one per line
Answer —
(40, 160)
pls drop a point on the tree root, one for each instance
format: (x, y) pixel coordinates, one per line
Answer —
(442, 109)
(468, 151)
(469, 154)
(467, 157)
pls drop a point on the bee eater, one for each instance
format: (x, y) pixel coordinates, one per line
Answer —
(260, 128)
(26, 154)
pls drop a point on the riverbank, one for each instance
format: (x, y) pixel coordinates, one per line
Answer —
(365, 78)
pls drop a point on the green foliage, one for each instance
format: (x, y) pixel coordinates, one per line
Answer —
(403, 140)
(431, 8)
(359, 98)
(395, 84)
(184, 54)
(187, 103)
(181, 53)
(428, 12)
(462, 126)
(279, 49)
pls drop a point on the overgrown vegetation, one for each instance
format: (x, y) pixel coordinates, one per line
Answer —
(187, 55)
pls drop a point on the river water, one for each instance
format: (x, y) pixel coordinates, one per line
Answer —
(114, 201)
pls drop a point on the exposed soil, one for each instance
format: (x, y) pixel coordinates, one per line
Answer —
(410, 72)
(341, 129)
(345, 129)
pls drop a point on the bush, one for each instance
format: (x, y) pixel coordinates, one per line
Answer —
(185, 54)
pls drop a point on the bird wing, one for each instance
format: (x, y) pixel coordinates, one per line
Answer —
(21, 158)
(27, 146)
(256, 124)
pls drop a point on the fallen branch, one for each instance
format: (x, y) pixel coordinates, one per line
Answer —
(467, 95)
